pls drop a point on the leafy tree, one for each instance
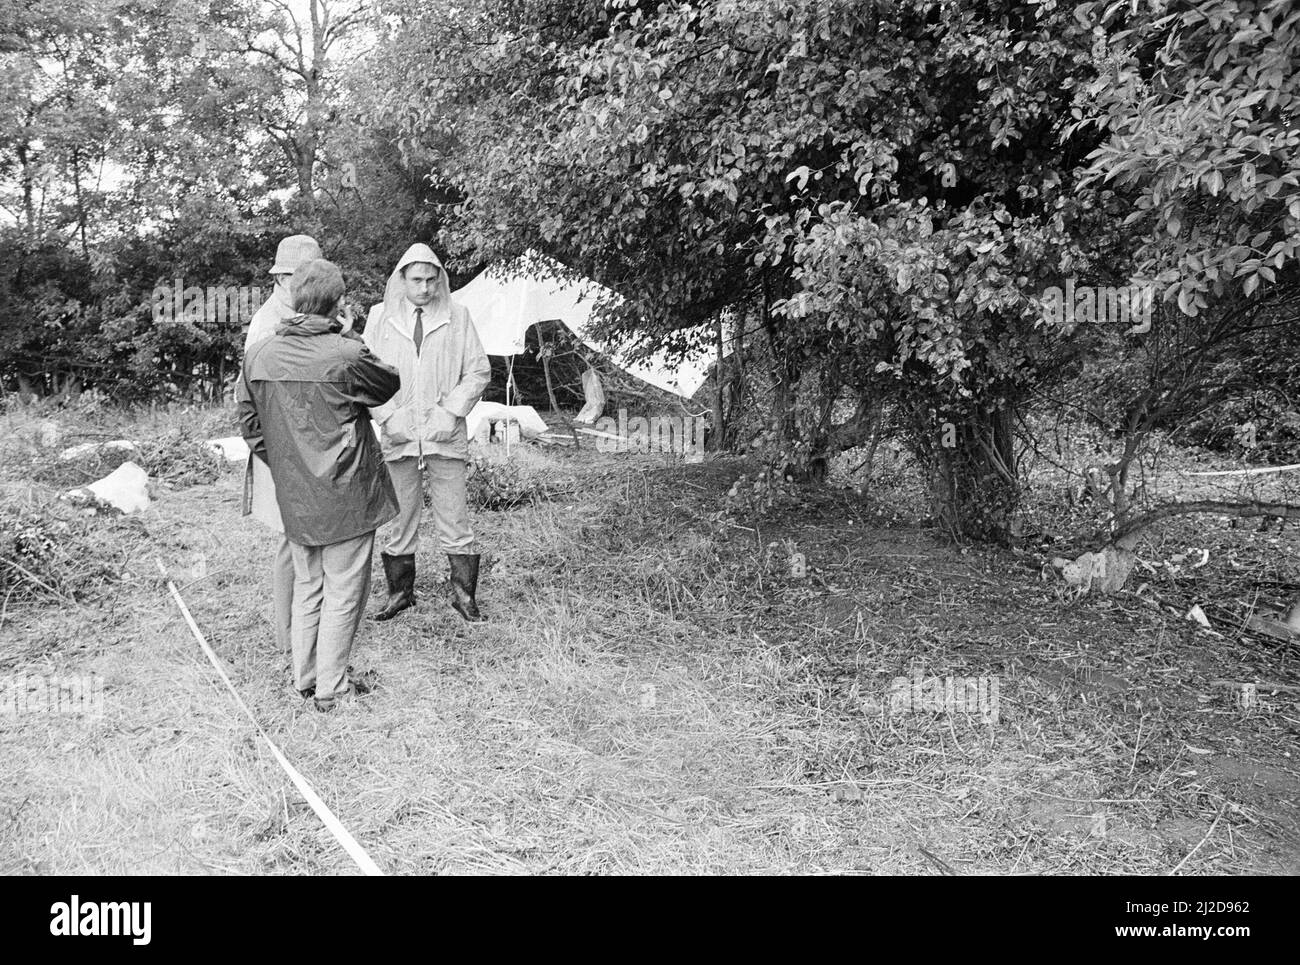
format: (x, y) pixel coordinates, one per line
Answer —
(1199, 106)
(156, 140)
(782, 161)
(1197, 103)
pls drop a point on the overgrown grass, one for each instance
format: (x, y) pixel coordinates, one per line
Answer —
(53, 553)
(168, 443)
(656, 692)
(497, 482)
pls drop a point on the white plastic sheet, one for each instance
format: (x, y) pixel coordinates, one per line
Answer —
(530, 423)
(594, 395)
(126, 488)
(231, 448)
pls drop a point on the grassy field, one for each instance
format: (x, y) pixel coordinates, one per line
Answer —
(655, 693)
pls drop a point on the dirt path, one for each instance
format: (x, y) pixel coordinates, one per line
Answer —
(654, 694)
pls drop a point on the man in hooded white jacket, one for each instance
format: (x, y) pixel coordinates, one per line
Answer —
(433, 344)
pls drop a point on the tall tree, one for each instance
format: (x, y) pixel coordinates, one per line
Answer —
(786, 162)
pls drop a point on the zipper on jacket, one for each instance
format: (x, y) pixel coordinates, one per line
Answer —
(419, 409)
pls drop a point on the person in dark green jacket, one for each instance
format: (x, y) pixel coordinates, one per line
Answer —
(304, 408)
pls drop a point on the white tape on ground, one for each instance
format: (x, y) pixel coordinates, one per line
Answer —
(1247, 472)
(336, 828)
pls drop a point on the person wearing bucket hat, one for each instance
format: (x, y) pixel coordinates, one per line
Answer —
(259, 489)
(292, 253)
(304, 410)
(433, 344)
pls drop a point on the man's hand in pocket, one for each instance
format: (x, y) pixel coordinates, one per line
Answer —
(442, 424)
(397, 427)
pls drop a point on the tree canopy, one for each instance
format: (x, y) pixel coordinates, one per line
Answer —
(878, 197)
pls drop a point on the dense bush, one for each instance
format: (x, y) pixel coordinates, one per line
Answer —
(50, 552)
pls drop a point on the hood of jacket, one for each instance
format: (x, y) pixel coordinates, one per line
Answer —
(439, 309)
(308, 325)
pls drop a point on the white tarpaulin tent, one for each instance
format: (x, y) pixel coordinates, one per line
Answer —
(505, 305)
(682, 378)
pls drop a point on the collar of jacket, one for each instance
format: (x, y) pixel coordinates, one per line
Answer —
(308, 325)
(404, 319)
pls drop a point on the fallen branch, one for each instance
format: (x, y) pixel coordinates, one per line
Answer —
(1265, 685)
(1126, 535)
(1208, 834)
(1247, 472)
(943, 866)
(38, 581)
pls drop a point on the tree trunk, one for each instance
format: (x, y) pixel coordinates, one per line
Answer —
(785, 376)
(27, 392)
(29, 205)
(81, 203)
(546, 369)
(719, 426)
(735, 386)
(972, 477)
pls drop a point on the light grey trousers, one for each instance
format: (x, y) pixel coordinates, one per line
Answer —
(282, 578)
(447, 495)
(329, 595)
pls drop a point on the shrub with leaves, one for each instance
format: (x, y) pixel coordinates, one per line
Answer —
(48, 554)
(180, 456)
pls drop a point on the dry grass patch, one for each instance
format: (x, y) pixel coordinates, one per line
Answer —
(655, 693)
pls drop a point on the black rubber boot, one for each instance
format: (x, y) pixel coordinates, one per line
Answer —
(464, 584)
(400, 573)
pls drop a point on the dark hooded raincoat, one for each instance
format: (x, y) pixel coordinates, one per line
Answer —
(304, 408)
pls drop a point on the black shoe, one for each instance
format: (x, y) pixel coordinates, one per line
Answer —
(464, 584)
(309, 692)
(358, 686)
(400, 573)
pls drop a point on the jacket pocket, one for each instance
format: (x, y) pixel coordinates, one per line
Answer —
(441, 424)
(398, 430)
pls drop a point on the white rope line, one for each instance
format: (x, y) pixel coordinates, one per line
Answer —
(596, 432)
(1247, 472)
(335, 826)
